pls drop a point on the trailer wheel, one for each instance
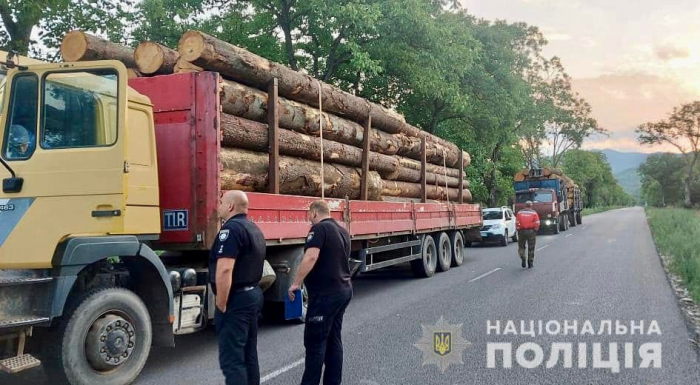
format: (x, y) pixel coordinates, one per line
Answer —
(444, 249)
(572, 219)
(457, 242)
(426, 265)
(579, 219)
(104, 338)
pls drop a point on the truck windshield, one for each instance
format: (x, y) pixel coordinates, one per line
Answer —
(543, 197)
(493, 214)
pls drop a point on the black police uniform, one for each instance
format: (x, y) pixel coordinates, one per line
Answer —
(330, 292)
(237, 329)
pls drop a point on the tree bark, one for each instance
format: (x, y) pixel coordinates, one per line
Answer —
(248, 171)
(412, 190)
(152, 58)
(81, 46)
(247, 134)
(247, 68)
(240, 100)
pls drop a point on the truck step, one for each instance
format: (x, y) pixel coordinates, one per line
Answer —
(18, 363)
(18, 322)
(23, 281)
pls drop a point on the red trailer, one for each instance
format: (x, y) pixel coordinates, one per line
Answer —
(186, 109)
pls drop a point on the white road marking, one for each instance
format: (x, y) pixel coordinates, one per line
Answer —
(278, 372)
(485, 274)
(584, 228)
(543, 247)
(568, 235)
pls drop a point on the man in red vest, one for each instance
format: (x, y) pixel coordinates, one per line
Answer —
(527, 222)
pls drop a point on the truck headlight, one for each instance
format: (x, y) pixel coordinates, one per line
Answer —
(547, 222)
(549, 215)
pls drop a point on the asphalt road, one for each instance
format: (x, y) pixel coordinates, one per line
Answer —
(605, 269)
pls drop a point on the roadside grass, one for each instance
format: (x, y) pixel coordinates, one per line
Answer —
(676, 232)
(596, 210)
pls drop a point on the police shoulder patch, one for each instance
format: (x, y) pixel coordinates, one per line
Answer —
(223, 235)
(310, 237)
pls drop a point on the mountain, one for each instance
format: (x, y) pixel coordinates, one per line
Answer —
(623, 161)
(630, 181)
(624, 167)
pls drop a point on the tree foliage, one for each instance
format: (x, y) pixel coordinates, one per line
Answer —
(593, 174)
(485, 85)
(681, 130)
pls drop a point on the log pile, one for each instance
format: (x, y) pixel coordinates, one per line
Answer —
(306, 133)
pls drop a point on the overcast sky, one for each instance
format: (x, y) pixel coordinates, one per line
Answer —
(632, 60)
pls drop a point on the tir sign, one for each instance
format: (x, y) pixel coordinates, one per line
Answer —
(175, 220)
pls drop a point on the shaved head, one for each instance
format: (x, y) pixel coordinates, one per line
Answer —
(232, 203)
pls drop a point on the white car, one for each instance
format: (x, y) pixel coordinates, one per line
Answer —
(499, 225)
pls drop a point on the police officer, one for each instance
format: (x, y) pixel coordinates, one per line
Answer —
(235, 269)
(326, 272)
(527, 222)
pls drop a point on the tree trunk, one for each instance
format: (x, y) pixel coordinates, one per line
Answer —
(183, 66)
(152, 58)
(248, 171)
(246, 134)
(435, 169)
(80, 46)
(412, 190)
(245, 67)
(687, 183)
(250, 103)
(249, 135)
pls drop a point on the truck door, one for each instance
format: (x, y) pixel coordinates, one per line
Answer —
(62, 130)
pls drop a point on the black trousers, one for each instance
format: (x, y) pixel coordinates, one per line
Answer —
(237, 330)
(322, 338)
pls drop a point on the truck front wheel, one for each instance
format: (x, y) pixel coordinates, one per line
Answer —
(104, 338)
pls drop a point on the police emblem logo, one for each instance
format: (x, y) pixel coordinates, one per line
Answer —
(442, 344)
(223, 235)
(310, 237)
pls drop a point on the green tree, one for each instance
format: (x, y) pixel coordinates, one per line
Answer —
(53, 18)
(681, 130)
(662, 176)
(592, 172)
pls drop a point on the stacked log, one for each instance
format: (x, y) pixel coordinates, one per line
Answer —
(395, 146)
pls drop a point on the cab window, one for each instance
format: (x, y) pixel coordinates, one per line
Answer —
(20, 133)
(79, 110)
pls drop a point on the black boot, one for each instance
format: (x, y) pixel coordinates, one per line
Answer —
(530, 264)
(523, 264)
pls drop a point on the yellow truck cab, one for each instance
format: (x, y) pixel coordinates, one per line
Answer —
(79, 196)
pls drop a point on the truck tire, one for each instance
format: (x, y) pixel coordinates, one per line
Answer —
(556, 227)
(444, 249)
(426, 265)
(572, 219)
(565, 221)
(579, 219)
(457, 242)
(103, 338)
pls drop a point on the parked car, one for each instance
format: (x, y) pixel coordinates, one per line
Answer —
(499, 225)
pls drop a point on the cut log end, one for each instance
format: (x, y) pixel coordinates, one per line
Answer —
(149, 57)
(191, 45)
(74, 46)
(132, 73)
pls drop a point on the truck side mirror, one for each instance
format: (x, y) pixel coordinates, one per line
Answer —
(12, 185)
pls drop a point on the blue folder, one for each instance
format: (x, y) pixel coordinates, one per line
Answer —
(293, 309)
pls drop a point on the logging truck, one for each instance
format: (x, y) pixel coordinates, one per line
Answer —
(554, 196)
(108, 209)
